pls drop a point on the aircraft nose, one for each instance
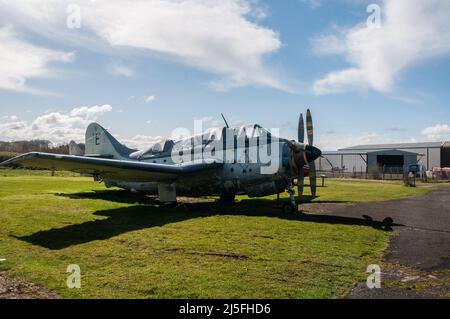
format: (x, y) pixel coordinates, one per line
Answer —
(312, 153)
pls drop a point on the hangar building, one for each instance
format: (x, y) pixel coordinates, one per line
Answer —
(391, 158)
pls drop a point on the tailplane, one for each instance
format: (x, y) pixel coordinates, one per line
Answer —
(100, 143)
(75, 149)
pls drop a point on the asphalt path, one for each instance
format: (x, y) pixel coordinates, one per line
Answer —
(421, 240)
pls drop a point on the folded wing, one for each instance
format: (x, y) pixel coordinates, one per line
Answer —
(120, 170)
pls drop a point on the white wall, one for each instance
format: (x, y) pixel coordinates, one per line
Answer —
(434, 156)
(351, 162)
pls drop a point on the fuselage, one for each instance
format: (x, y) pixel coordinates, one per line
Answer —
(255, 163)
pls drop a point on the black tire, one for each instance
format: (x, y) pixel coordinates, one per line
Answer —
(227, 198)
(169, 205)
(387, 223)
(288, 208)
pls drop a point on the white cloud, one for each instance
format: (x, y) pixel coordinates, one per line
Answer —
(437, 132)
(140, 142)
(10, 118)
(411, 31)
(215, 36)
(150, 99)
(20, 61)
(90, 113)
(116, 68)
(62, 127)
(56, 127)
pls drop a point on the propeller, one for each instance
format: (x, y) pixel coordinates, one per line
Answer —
(309, 127)
(304, 154)
(312, 164)
(301, 139)
(301, 129)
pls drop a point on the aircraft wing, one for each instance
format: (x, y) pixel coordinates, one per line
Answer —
(119, 170)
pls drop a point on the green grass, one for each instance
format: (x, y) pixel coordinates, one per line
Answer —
(4, 172)
(128, 248)
(337, 190)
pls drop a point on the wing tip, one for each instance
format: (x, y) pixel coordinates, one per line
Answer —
(19, 158)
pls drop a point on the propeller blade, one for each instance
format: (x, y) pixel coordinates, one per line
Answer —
(300, 182)
(309, 128)
(313, 178)
(301, 129)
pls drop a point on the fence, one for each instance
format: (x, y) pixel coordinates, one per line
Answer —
(377, 172)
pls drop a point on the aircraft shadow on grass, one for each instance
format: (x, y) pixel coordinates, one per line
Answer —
(139, 216)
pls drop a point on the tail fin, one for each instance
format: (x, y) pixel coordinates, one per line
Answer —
(75, 149)
(100, 143)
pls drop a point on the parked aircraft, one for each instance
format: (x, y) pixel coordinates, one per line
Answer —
(221, 162)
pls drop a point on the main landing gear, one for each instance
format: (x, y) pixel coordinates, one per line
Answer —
(291, 207)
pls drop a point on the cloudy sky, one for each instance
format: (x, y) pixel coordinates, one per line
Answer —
(142, 68)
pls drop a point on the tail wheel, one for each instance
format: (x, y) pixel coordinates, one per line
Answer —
(227, 198)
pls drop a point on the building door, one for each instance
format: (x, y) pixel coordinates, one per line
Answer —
(445, 156)
(391, 161)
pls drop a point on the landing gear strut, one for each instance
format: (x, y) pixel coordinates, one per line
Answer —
(290, 208)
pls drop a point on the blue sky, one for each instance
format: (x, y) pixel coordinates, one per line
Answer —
(255, 61)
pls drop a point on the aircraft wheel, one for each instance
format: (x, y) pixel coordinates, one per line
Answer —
(227, 198)
(170, 205)
(288, 208)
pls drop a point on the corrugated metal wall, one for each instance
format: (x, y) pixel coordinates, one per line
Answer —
(428, 157)
(350, 162)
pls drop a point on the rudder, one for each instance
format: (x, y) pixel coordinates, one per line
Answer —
(99, 142)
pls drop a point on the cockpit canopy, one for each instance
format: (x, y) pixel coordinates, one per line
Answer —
(249, 131)
(160, 147)
(218, 133)
(164, 147)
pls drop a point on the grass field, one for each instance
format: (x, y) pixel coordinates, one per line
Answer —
(129, 248)
(342, 191)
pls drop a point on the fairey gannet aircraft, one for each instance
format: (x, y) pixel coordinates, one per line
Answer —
(220, 162)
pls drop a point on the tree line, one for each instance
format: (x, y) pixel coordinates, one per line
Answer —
(12, 149)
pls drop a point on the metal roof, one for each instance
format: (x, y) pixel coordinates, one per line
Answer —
(343, 152)
(394, 146)
(374, 151)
